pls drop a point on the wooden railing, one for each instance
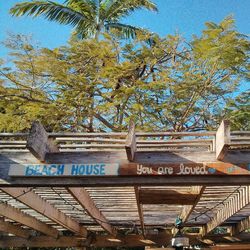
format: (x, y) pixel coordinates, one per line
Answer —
(213, 141)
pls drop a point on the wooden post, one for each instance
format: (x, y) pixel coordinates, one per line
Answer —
(131, 142)
(39, 143)
(222, 139)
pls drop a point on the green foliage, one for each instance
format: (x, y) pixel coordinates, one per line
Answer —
(92, 85)
(238, 111)
(88, 18)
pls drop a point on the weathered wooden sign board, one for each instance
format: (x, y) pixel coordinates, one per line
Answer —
(128, 169)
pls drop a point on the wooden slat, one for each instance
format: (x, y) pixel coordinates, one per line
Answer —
(172, 134)
(13, 143)
(10, 228)
(39, 143)
(96, 134)
(83, 139)
(222, 139)
(177, 141)
(91, 146)
(83, 197)
(13, 135)
(12, 146)
(154, 196)
(35, 202)
(131, 142)
(140, 209)
(27, 220)
(230, 207)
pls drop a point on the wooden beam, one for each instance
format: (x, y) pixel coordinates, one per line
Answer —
(237, 202)
(231, 247)
(188, 209)
(27, 220)
(160, 239)
(40, 242)
(241, 226)
(39, 143)
(222, 139)
(125, 181)
(131, 141)
(161, 196)
(10, 228)
(98, 241)
(140, 209)
(34, 201)
(161, 169)
(83, 197)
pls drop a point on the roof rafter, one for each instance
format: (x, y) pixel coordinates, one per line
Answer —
(140, 209)
(84, 199)
(34, 201)
(188, 209)
(27, 220)
(8, 227)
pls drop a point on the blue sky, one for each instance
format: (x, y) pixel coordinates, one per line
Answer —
(184, 16)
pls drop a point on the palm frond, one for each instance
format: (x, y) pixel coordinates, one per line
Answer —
(123, 31)
(115, 9)
(51, 10)
(86, 7)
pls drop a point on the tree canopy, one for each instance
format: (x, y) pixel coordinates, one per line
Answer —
(88, 85)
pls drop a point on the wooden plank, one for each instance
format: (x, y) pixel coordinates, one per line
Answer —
(91, 146)
(34, 201)
(127, 169)
(83, 139)
(154, 196)
(8, 227)
(230, 207)
(177, 141)
(84, 199)
(156, 145)
(140, 209)
(222, 139)
(96, 134)
(130, 145)
(235, 171)
(11, 135)
(175, 134)
(27, 220)
(241, 226)
(38, 142)
(13, 143)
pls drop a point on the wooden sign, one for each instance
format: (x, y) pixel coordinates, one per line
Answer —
(127, 169)
(96, 169)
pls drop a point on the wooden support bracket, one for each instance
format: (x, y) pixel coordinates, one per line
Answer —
(222, 139)
(39, 143)
(131, 142)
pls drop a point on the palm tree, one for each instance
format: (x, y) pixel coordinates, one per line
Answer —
(88, 17)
